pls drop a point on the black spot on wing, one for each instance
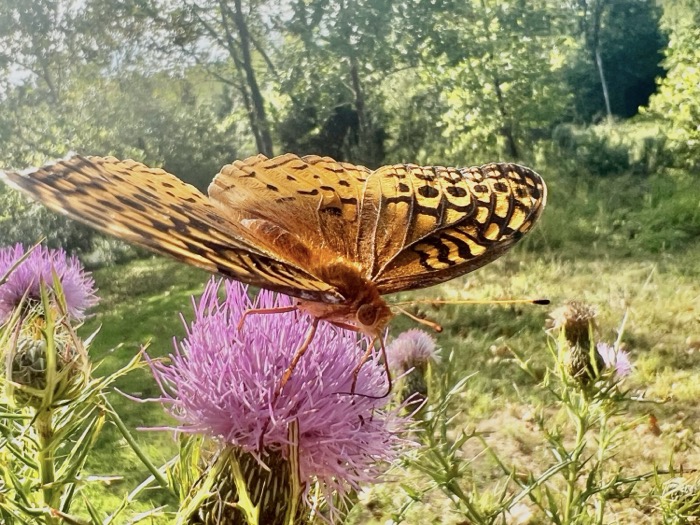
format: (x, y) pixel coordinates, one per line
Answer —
(428, 192)
(456, 191)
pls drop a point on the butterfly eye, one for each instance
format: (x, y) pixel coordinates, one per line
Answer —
(367, 314)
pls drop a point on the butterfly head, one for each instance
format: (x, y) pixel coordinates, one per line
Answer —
(372, 317)
(368, 313)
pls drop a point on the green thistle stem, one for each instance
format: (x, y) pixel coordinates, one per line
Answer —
(47, 473)
(574, 468)
(603, 443)
(44, 417)
(157, 474)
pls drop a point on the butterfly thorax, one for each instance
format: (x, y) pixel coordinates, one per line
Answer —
(363, 307)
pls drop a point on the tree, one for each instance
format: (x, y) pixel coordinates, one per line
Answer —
(499, 85)
(590, 14)
(615, 69)
(677, 102)
(338, 53)
(206, 32)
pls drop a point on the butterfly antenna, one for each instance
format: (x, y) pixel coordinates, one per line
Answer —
(541, 302)
(385, 359)
(427, 322)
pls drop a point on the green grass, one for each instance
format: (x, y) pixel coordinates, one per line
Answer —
(663, 301)
(139, 307)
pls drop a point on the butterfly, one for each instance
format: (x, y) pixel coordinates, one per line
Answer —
(336, 236)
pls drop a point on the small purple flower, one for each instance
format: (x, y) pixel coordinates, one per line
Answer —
(222, 382)
(412, 348)
(77, 286)
(615, 358)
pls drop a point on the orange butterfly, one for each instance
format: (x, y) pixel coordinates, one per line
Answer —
(335, 235)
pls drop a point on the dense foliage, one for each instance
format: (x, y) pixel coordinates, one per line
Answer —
(192, 85)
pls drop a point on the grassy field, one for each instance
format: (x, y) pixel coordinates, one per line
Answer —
(141, 302)
(596, 245)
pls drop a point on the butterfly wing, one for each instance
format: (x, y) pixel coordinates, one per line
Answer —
(401, 226)
(309, 205)
(435, 223)
(281, 223)
(155, 209)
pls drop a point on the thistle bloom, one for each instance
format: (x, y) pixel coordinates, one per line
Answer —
(412, 348)
(77, 286)
(222, 382)
(409, 356)
(25, 361)
(616, 359)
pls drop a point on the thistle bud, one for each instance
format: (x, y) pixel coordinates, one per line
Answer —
(43, 369)
(578, 320)
(680, 499)
(267, 491)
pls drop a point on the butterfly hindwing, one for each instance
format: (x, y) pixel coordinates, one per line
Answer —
(155, 209)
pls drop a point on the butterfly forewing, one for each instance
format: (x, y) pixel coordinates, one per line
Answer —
(459, 220)
(410, 203)
(311, 202)
(155, 209)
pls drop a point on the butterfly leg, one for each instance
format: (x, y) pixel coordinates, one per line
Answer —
(290, 369)
(365, 358)
(297, 355)
(276, 310)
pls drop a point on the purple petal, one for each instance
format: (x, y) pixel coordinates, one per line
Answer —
(615, 358)
(410, 349)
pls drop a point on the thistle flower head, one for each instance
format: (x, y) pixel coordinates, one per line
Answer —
(216, 498)
(616, 359)
(411, 349)
(222, 382)
(42, 264)
(409, 355)
(577, 319)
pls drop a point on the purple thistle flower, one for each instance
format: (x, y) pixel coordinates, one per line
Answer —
(78, 287)
(222, 382)
(615, 358)
(412, 348)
